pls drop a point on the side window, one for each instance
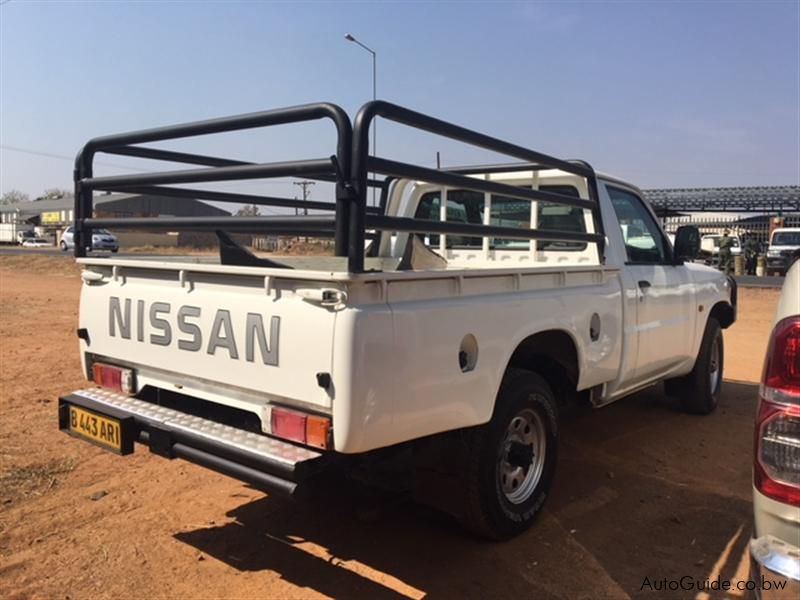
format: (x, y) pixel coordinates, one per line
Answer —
(644, 242)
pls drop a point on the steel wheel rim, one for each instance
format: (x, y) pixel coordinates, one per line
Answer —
(525, 430)
(714, 370)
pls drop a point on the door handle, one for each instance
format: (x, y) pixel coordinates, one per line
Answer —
(644, 285)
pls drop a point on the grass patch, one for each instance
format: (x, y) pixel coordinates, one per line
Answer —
(34, 480)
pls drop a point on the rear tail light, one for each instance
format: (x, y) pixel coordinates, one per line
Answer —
(781, 374)
(312, 430)
(776, 471)
(115, 378)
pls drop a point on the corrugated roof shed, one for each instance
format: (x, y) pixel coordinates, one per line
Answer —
(122, 203)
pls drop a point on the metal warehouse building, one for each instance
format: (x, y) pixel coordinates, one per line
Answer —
(58, 213)
(51, 216)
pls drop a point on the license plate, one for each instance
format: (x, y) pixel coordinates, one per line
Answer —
(104, 431)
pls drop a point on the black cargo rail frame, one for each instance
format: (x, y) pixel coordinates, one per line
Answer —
(353, 221)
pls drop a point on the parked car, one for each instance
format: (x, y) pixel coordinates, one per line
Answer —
(775, 549)
(784, 249)
(36, 242)
(460, 353)
(25, 235)
(101, 240)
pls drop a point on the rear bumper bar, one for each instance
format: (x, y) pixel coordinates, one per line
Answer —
(775, 565)
(267, 463)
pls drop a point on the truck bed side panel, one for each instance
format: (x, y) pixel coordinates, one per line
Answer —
(431, 393)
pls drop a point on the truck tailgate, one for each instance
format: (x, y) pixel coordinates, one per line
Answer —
(255, 334)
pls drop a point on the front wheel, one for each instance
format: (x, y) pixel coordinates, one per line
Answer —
(64, 246)
(512, 458)
(699, 390)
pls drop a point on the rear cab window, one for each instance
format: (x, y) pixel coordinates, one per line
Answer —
(469, 207)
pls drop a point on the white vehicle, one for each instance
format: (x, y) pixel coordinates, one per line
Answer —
(775, 548)
(24, 235)
(784, 249)
(461, 351)
(36, 242)
(14, 233)
(709, 244)
(101, 240)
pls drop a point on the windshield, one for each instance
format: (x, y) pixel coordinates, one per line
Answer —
(102, 232)
(786, 238)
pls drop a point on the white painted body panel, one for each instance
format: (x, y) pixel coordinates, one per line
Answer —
(774, 518)
(391, 346)
(309, 326)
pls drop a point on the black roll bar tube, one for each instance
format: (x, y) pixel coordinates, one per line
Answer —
(446, 178)
(384, 223)
(361, 162)
(216, 196)
(282, 169)
(309, 112)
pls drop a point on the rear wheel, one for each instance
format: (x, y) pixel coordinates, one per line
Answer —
(512, 459)
(699, 390)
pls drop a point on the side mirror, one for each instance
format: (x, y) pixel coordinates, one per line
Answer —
(687, 243)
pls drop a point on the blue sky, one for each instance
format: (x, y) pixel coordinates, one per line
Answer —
(665, 94)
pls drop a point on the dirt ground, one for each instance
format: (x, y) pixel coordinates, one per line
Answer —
(642, 491)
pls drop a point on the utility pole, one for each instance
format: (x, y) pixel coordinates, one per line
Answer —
(306, 192)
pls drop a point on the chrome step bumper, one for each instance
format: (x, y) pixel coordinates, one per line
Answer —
(265, 462)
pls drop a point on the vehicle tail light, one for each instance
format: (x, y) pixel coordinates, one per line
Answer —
(776, 471)
(115, 378)
(311, 430)
(318, 431)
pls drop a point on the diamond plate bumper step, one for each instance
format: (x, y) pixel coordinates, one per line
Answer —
(265, 462)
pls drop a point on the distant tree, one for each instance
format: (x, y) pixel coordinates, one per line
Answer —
(14, 197)
(54, 193)
(248, 210)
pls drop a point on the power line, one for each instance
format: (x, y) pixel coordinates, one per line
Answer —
(69, 158)
(104, 163)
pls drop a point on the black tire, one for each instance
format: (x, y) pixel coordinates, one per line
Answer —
(699, 390)
(489, 512)
(64, 246)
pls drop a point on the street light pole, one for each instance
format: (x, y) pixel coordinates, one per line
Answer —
(350, 38)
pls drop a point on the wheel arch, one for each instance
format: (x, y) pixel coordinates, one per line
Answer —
(724, 313)
(553, 354)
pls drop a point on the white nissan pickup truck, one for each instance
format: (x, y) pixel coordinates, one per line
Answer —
(454, 321)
